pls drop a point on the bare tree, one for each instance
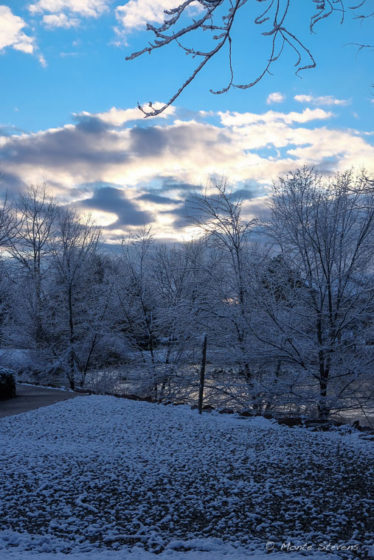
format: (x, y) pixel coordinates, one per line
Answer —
(182, 290)
(159, 305)
(222, 222)
(75, 246)
(315, 310)
(30, 244)
(8, 227)
(8, 223)
(135, 294)
(217, 17)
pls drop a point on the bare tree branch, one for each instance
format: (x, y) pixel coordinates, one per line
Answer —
(217, 19)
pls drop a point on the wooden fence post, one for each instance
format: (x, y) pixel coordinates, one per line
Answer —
(202, 374)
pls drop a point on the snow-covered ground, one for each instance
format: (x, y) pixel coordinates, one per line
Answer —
(102, 478)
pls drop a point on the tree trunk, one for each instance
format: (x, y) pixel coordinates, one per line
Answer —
(323, 408)
(71, 339)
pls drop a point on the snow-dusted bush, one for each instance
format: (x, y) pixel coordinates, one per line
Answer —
(7, 384)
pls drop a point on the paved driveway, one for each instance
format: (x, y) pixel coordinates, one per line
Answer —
(30, 397)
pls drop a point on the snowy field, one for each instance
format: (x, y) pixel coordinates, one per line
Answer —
(100, 478)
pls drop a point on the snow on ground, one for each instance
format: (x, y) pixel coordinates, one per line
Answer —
(109, 479)
(219, 551)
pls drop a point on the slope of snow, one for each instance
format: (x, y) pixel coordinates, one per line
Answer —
(100, 477)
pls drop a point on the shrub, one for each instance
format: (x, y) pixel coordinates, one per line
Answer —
(7, 384)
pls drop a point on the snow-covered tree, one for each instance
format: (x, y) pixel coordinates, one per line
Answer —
(183, 290)
(8, 225)
(30, 245)
(315, 308)
(73, 292)
(228, 236)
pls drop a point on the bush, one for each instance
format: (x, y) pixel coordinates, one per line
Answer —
(7, 384)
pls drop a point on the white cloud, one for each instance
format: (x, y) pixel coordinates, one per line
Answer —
(327, 100)
(42, 60)
(118, 117)
(87, 8)
(11, 32)
(275, 97)
(241, 119)
(60, 20)
(135, 14)
(66, 13)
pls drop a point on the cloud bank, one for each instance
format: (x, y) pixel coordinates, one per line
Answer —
(129, 172)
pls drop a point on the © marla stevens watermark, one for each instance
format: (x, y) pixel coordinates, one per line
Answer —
(308, 547)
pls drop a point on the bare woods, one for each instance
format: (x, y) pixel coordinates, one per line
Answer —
(287, 303)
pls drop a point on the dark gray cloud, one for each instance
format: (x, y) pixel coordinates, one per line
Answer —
(158, 199)
(190, 213)
(153, 141)
(148, 142)
(242, 194)
(65, 147)
(113, 200)
(91, 124)
(170, 183)
(11, 183)
(328, 165)
(192, 210)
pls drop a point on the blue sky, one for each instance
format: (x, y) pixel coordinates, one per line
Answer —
(68, 112)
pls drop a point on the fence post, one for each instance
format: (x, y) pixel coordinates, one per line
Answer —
(202, 374)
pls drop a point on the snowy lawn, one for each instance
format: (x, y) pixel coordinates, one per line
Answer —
(99, 477)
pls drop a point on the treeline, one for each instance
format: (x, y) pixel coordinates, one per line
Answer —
(287, 303)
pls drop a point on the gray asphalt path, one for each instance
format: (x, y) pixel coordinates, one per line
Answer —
(30, 397)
